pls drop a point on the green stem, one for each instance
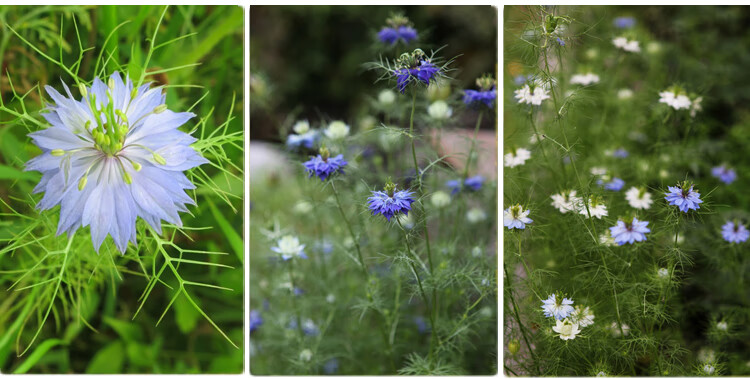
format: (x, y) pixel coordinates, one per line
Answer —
(517, 317)
(351, 232)
(294, 301)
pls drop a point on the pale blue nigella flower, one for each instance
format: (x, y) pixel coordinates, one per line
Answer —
(112, 157)
(620, 153)
(725, 174)
(390, 202)
(734, 232)
(308, 326)
(307, 139)
(454, 185)
(331, 366)
(255, 320)
(615, 184)
(560, 41)
(557, 308)
(624, 22)
(684, 198)
(628, 233)
(475, 182)
(422, 326)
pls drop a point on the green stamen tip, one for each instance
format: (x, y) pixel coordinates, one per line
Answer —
(159, 159)
(160, 108)
(137, 166)
(121, 114)
(57, 152)
(82, 183)
(127, 177)
(83, 90)
(133, 93)
(111, 83)
(106, 140)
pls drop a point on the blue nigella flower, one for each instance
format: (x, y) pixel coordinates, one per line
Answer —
(520, 79)
(557, 308)
(112, 157)
(424, 71)
(307, 140)
(298, 291)
(560, 41)
(628, 233)
(255, 320)
(422, 326)
(615, 184)
(391, 35)
(454, 185)
(624, 22)
(725, 174)
(390, 202)
(331, 366)
(324, 246)
(475, 182)
(308, 327)
(683, 197)
(620, 153)
(322, 166)
(474, 97)
(734, 232)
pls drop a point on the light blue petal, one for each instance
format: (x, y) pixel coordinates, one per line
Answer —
(159, 123)
(58, 137)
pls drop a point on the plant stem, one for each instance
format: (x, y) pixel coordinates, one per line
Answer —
(294, 301)
(351, 232)
(517, 317)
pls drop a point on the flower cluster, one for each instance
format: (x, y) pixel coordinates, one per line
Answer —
(678, 99)
(568, 320)
(114, 156)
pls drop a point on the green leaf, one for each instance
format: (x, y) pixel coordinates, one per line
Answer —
(12, 173)
(128, 331)
(108, 360)
(38, 353)
(185, 315)
(234, 238)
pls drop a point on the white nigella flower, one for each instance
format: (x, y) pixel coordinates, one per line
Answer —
(615, 328)
(535, 138)
(598, 171)
(301, 127)
(663, 273)
(305, 355)
(624, 94)
(606, 239)
(440, 199)
(566, 201)
(302, 207)
(624, 44)
(406, 220)
(439, 110)
(337, 130)
(386, 97)
(535, 96)
(584, 79)
(330, 298)
(582, 316)
(289, 247)
(696, 106)
(709, 369)
(601, 373)
(722, 325)
(566, 329)
(475, 215)
(596, 209)
(675, 98)
(517, 157)
(638, 198)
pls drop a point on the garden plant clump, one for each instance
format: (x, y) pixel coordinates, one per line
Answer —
(375, 253)
(625, 215)
(121, 186)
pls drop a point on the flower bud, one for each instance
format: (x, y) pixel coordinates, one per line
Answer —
(83, 90)
(514, 346)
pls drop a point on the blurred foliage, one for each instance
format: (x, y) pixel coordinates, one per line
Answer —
(104, 336)
(305, 55)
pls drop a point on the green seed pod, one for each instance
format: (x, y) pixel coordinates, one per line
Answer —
(514, 346)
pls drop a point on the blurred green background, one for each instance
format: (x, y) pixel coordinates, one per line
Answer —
(183, 342)
(308, 60)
